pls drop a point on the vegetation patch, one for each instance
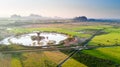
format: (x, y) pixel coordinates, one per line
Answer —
(106, 39)
(110, 53)
(90, 60)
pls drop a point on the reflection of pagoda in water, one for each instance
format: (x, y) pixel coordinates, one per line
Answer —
(37, 39)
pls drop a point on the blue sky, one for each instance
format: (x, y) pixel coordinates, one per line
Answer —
(62, 8)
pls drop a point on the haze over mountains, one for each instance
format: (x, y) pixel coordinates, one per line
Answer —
(85, 19)
(34, 16)
(79, 18)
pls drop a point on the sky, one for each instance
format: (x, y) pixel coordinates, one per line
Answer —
(61, 8)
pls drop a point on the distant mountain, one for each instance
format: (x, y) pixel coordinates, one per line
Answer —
(56, 17)
(34, 16)
(15, 16)
(80, 18)
(104, 20)
(85, 19)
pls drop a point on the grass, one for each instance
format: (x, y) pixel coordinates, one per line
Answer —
(113, 30)
(31, 59)
(36, 60)
(58, 57)
(111, 38)
(52, 58)
(15, 62)
(59, 30)
(106, 39)
(5, 60)
(110, 53)
(41, 59)
(55, 56)
(73, 63)
(66, 28)
(87, 60)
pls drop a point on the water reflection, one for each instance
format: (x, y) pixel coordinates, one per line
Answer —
(35, 39)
